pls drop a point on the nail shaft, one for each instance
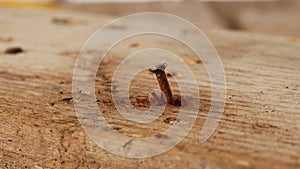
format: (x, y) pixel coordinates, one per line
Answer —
(161, 76)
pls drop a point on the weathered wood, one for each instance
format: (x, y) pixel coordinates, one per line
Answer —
(251, 16)
(39, 129)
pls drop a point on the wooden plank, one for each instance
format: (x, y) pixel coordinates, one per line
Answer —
(39, 128)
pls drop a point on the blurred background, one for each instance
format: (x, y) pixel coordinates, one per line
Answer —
(274, 17)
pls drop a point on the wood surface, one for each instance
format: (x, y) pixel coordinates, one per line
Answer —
(260, 127)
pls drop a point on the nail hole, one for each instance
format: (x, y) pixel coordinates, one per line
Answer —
(14, 50)
(116, 128)
(198, 61)
(134, 45)
(66, 100)
(170, 120)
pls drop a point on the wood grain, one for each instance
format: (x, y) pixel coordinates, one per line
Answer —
(39, 128)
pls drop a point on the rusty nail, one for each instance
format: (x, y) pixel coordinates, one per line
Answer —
(161, 76)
